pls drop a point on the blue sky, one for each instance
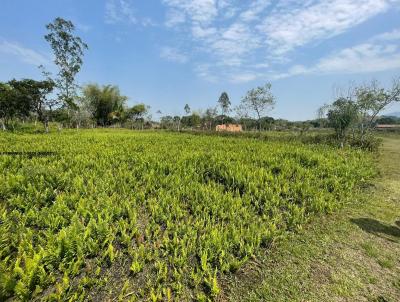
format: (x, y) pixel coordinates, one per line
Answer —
(167, 53)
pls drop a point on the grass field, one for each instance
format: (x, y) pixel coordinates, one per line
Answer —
(351, 255)
(122, 215)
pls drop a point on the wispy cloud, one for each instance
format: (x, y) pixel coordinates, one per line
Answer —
(123, 11)
(199, 11)
(233, 33)
(24, 54)
(379, 53)
(289, 27)
(173, 55)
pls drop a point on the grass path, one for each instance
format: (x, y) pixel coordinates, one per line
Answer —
(352, 255)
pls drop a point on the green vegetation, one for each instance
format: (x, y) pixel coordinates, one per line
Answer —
(351, 255)
(357, 112)
(155, 216)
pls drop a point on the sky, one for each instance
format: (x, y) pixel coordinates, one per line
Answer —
(167, 53)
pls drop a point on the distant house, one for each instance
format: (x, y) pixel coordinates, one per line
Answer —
(388, 127)
(229, 128)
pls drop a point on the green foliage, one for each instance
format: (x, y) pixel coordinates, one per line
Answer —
(20, 98)
(187, 109)
(105, 103)
(341, 115)
(257, 100)
(137, 114)
(169, 212)
(358, 112)
(224, 103)
(68, 53)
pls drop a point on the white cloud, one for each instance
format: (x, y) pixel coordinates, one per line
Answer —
(291, 27)
(361, 58)
(24, 54)
(379, 53)
(256, 7)
(202, 11)
(119, 11)
(204, 71)
(175, 17)
(173, 55)
(388, 36)
(243, 77)
(234, 34)
(122, 11)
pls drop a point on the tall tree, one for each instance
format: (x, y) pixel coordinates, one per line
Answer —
(187, 109)
(259, 100)
(224, 103)
(68, 56)
(105, 103)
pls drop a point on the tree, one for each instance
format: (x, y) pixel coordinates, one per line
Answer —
(359, 109)
(191, 121)
(224, 103)
(371, 99)
(8, 108)
(137, 113)
(209, 117)
(32, 95)
(341, 115)
(242, 114)
(177, 121)
(105, 103)
(187, 109)
(167, 122)
(259, 100)
(68, 52)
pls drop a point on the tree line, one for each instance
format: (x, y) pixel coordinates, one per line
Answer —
(57, 97)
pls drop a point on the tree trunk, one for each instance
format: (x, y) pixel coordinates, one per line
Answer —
(46, 125)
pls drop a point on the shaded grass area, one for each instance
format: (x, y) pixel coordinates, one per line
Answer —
(352, 255)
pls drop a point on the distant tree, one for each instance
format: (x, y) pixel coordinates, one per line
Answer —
(195, 120)
(191, 121)
(388, 120)
(209, 117)
(167, 122)
(242, 115)
(259, 100)
(33, 96)
(342, 114)
(68, 53)
(187, 109)
(359, 109)
(8, 106)
(137, 113)
(371, 99)
(224, 103)
(105, 103)
(177, 122)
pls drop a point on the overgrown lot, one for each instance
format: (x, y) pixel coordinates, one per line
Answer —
(113, 214)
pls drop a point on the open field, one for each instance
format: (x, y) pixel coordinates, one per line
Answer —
(115, 214)
(351, 255)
